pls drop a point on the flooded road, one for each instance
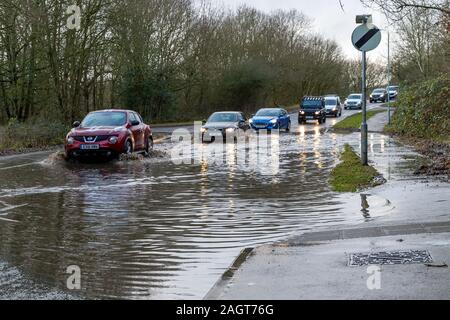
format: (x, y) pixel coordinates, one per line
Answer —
(155, 230)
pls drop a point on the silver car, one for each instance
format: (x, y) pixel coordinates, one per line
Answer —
(333, 105)
(354, 101)
(223, 125)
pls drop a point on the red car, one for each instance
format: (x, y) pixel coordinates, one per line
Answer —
(109, 133)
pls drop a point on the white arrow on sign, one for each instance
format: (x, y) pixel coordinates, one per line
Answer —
(366, 37)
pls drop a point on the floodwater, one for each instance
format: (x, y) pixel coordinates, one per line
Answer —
(153, 229)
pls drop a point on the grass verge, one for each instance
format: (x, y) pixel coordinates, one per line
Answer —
(354, 122)
(21, 138)
(350, 175)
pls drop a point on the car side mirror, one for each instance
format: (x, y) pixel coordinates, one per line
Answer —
(76, 124)
(204, 121)
(135, 123)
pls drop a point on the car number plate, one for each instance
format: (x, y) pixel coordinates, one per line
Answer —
(309, 117)
(90, 147)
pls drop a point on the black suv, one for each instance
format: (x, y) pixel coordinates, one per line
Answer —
(312, 108)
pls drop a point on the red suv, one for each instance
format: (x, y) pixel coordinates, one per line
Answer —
(109, 133)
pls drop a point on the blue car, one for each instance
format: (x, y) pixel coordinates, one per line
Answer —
(271, 119)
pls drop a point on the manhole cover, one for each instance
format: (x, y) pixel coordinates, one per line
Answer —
(390, 258)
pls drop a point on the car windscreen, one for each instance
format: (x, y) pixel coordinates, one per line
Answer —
(223, 117)
(378, 91)
(393, 88)
(311, 104)
(355, 97)
(268, 113)
(104, 119)
(330, 102)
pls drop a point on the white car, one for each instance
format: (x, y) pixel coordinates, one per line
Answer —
(354, 101)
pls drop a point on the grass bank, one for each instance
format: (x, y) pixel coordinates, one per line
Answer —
(353, 122)
(422, 121)
(24, 137)
(350, 175)
(422, 111)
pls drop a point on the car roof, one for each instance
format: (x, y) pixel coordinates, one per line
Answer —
(312, 98)
(113, 110)
(274, 109)
(227, 112)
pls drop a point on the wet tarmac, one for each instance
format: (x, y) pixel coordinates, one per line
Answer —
(152, 229)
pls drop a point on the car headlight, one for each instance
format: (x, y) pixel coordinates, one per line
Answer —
(250, 121)
(302, 112)
(230, 130)
(113, 140)
(274, 121)
(334, 108)
(70, 140)
(203, 130)
(317, 112)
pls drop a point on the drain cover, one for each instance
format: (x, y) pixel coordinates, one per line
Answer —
(390, 258)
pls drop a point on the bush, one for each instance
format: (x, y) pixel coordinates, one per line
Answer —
(423, 110)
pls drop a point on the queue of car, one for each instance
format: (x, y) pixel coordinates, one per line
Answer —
(114, 132)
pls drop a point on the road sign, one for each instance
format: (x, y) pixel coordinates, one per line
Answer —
(366, 37)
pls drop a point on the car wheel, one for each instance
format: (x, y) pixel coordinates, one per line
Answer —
(128, 147)
(149, 146)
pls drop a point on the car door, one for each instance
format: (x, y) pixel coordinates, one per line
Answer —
(286, 118)
(141, 130)
(282, 119)
(138, 132)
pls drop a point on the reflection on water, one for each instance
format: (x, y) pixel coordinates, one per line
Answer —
(156, 230)
(365, 206)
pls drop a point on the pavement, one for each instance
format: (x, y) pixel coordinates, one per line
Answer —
(315, 265)
(378, 122)
(314, 268)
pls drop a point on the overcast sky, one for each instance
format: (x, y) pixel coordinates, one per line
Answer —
(328, 19)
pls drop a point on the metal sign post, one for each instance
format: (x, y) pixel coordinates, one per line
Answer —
(389, 78)
(364, 127)
(366, 37)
